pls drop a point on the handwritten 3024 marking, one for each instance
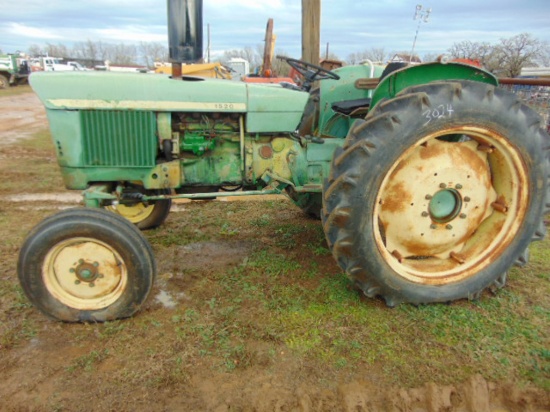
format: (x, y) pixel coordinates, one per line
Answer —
(440, 112)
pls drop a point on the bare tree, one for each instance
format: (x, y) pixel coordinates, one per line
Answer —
(57, 50)
(507, 57)
(520, 51)
(374, 54)
(430, 57)
(152, 52)
(122, 54)
(248, 53)
(471, 50)
(280, 67)
(35, 50)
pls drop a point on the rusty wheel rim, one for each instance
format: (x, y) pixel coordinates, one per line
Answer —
(134, 213)
(447, 209)
(84, 273)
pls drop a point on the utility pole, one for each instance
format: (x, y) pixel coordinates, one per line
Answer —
(311, 30)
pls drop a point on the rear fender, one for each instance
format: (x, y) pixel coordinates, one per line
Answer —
(399, 80)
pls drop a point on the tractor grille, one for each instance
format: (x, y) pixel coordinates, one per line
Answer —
(118, 138)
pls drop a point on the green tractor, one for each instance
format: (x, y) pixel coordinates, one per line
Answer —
(430, 180)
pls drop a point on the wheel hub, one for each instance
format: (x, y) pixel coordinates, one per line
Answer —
(87, 272)
(95, 280)
(445, 205)
(435, 199)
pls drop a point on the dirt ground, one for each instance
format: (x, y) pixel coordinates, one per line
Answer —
(20, 117)
(47, 371)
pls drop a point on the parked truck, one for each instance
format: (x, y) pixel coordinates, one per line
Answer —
(430, 181)
(14, 70)
(51, 64)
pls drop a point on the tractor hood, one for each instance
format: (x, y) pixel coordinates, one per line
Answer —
(267, 108)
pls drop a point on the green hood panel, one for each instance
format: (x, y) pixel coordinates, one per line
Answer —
(274, 108)
(136, 91)
(270, 108)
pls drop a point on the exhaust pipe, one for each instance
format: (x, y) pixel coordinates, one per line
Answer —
(184, 33)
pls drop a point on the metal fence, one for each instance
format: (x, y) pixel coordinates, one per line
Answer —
(536, 97)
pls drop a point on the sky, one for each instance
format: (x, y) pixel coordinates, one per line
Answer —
(347, 26)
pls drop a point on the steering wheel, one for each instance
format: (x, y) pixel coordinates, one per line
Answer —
(311, 72)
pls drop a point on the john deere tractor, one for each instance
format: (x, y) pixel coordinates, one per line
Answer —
(430, 180)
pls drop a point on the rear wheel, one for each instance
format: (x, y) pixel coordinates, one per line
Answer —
(4, 82)
(437, 193)
(86, 265)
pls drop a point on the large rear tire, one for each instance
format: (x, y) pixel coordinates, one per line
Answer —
(86, 265)
(437, 193)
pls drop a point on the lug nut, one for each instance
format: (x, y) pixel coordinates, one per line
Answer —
(467, 199)
(463, 216)
(449, 227)
(77, 282)
(425, 214)
(442, 185)
(459, 186)
(428, 197)
(433, 226)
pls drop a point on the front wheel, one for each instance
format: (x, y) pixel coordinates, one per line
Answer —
(437, 193)
(86, 265)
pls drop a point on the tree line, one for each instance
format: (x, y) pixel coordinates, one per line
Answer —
(504, 58)
(92, 53)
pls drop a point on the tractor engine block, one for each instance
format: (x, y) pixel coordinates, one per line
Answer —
(199, 133)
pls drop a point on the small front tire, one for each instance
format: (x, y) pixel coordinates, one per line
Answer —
(86, 265)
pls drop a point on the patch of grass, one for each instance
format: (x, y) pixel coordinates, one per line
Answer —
(262, 221)
(89, 361)
(15, 90)
(286, 235)
(20, 177)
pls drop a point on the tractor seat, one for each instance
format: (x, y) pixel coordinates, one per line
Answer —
(347, 107)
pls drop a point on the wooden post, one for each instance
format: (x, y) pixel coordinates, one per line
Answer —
(311, 30)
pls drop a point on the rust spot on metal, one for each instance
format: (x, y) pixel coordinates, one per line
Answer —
(397, 255)
(266, 152)
(500, 205)
(461, 259)
(431, 151)
(367, 84)
(529, 82)
(397, 198)
(485, 148)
